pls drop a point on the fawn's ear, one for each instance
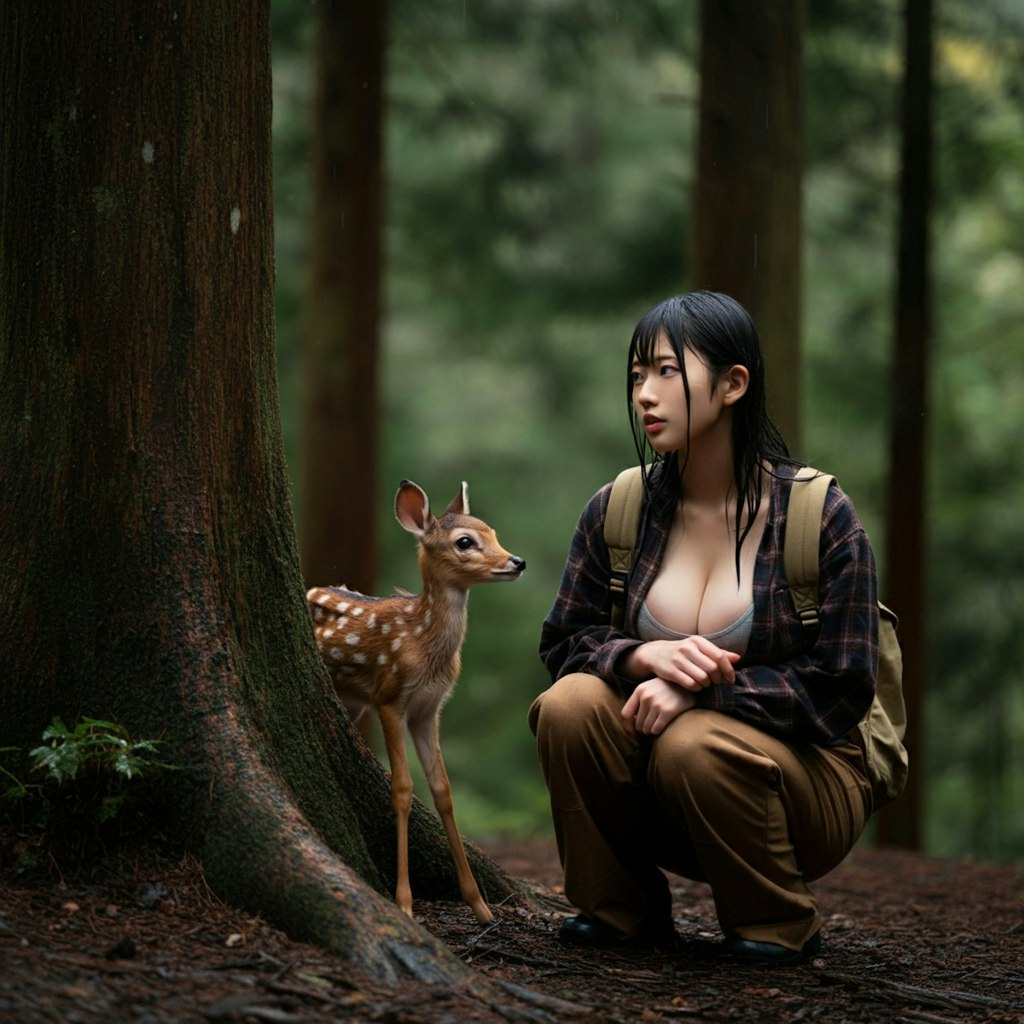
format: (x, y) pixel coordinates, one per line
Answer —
(459, 505)
(412, 509)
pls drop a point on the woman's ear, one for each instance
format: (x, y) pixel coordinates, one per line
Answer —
(733, 384)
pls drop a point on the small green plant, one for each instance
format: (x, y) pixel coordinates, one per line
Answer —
(99, 758)
(86, 779)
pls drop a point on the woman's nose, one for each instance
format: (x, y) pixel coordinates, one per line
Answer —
(644, 394)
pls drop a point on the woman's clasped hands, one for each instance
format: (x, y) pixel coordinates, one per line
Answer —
(672, 673)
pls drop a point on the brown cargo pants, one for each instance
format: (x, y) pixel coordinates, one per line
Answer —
(711, 798)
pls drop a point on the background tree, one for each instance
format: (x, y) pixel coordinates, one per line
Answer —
(747, 206)
(340, 402)
(905, 553)
(147, 536)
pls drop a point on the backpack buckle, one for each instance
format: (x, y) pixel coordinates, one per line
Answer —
(617, 582)
(808, 617)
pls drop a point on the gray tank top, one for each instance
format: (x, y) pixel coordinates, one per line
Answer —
(733, 637)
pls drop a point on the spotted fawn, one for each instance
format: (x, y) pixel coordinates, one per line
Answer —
(401, 655)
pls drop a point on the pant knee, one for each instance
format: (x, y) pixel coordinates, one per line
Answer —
(570, 708)
(682, 750)
(579, 733)
(707, 757)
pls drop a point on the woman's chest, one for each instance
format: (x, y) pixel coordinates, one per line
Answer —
(704, 582)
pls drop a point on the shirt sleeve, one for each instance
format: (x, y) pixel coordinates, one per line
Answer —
(814, 690)
(577, 635)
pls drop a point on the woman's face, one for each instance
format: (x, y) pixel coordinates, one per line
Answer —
(659, 398)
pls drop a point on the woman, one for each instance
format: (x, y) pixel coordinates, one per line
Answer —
(708, 735)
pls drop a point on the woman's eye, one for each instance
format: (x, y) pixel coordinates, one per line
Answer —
(668, 369)
(636, 377)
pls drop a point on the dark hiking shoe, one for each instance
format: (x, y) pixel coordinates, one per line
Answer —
(589, 931)
(770, 953)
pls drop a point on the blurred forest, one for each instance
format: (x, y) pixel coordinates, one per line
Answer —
(540, 160)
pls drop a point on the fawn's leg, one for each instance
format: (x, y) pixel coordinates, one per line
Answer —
(393, 726)
(425, 736)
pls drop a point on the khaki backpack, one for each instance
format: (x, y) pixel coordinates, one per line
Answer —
(880, 733)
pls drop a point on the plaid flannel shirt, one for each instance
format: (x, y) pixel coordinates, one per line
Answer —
(801, 684)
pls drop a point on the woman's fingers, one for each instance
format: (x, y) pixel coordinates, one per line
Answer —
(699, 663)
(629, 713)
(652, 706)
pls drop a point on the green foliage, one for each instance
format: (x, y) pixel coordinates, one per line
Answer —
(91, 777)
(100, 758)
(518, 128)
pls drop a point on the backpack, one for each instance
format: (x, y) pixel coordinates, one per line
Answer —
(880, 732)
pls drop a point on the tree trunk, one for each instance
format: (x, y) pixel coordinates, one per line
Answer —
(747, 207)
(341, 334)
(146, 540)
(900, 824)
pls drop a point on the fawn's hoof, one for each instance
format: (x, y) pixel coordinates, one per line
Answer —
(483, 913)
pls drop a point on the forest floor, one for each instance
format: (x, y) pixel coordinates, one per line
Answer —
(906, 938)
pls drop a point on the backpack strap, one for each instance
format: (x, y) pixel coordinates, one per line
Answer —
(621, 525)
(802, 542)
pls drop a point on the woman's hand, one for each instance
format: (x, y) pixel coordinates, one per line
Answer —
(653, 706)
(693, 663)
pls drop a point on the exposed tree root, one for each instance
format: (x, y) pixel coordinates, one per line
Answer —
(260, 852)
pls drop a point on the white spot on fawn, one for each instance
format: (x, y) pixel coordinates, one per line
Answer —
(359, 659)
(357, 610)
(382, 659)
(396, 643)
(336, 654)
(386, 628)
(352, 639)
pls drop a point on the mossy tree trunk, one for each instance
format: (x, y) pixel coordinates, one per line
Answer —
(146, 541)
(747, 205)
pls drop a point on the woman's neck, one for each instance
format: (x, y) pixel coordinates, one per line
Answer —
(706, 477)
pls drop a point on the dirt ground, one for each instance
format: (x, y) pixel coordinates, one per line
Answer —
(906, 938)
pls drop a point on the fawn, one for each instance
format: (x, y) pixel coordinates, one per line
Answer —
(401, 655)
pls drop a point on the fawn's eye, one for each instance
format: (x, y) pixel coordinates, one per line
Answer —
(464, 543)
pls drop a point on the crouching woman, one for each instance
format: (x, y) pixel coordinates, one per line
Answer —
(709, 734)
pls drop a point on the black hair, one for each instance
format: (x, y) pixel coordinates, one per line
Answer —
(722, 334)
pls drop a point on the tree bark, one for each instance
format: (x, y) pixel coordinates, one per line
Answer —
(747, 205)
(341, 332)
(900, 824)
(147, 539)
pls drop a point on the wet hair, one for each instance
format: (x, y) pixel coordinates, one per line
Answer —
(718, 330)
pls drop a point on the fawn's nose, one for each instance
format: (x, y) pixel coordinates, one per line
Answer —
(519, 564)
